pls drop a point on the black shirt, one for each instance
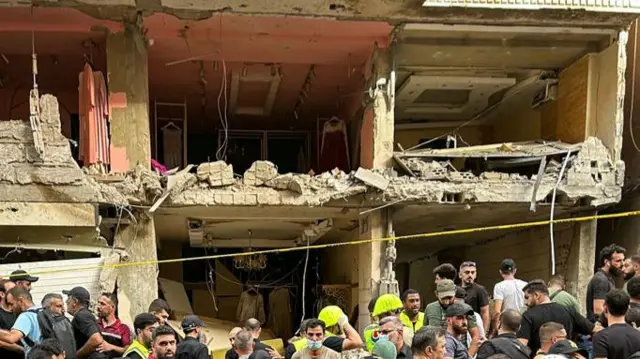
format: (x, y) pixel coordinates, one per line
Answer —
(534, 317)
(600, 284)
(618, 341)
(334, 343)
(404, 353)
(191, 348)
(84, 326)
(257, 354)
(477, 296)
(6, 322)
(507, 344)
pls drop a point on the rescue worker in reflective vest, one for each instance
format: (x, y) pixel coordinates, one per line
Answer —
(143, 324)
(411, 316)
(386, 305)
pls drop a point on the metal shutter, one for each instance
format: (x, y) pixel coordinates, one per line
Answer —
(57, 281)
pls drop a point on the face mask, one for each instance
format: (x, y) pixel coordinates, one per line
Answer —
(244, 357)
(314, 345)
(382, 337)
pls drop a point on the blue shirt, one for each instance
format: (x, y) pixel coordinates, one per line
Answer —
(27, 324)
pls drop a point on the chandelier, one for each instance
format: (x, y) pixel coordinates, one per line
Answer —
(250, 262)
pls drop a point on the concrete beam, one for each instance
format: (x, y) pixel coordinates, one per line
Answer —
(48, 214)
(248, 243)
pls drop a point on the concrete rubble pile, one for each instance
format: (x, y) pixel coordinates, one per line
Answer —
(26, 176)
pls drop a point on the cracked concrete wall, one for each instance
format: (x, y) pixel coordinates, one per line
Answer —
(26, 177)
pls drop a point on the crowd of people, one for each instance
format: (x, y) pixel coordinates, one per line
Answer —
(527, 319)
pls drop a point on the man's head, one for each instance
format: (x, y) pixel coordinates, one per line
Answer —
(53, 302)
(445, 271)
(411, 301)
(633, 288)
(446, 292)
(254, 327)
(633, 316)
(551, 333)
(314, 333)
(22, 279)
(392, 327)
(387, 305)
(461, 295)
(428, 342)
(557, 281)
(19, 299)
(508, 267)
(5, 286)
(77, 298)
(107, 304)
(160, 308)
(164, 342)
(612, 259)
(192, 326)
(457, 318)
(47, 349)
(569, 349)
(144, 324)
(631, 266)
(468, 273)
(244, 343)
(616, 303)
(535, 292)
(384, 349)
(509, 321)
(232, 336)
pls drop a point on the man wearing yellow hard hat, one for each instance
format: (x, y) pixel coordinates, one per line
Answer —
(385, 306)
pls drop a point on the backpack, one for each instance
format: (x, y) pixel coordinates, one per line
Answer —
(512, 348)
(55, 326)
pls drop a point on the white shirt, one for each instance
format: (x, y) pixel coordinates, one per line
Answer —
(509, 291)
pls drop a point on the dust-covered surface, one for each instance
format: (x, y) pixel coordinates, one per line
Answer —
(27, 176)
(590, 175)
(393, 11)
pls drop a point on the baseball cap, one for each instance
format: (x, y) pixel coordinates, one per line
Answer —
(143, 320)
(507, 265)
(385, 349)
(445, 288)
(22, 275)
(79, 293)
(191, 322)
(565, 347)
(459, 310)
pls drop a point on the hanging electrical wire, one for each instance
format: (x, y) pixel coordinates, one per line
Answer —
(304, 283)
(553, 207)
(221, 153)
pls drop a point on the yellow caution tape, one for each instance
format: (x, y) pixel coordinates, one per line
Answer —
(354, 242)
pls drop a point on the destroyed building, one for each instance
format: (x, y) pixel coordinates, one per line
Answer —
(217, 131)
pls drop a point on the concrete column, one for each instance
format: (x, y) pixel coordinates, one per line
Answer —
(128, 79)
(370, 257)
(580, 264)
(127, 66)
(376, 151)
(137, 285)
